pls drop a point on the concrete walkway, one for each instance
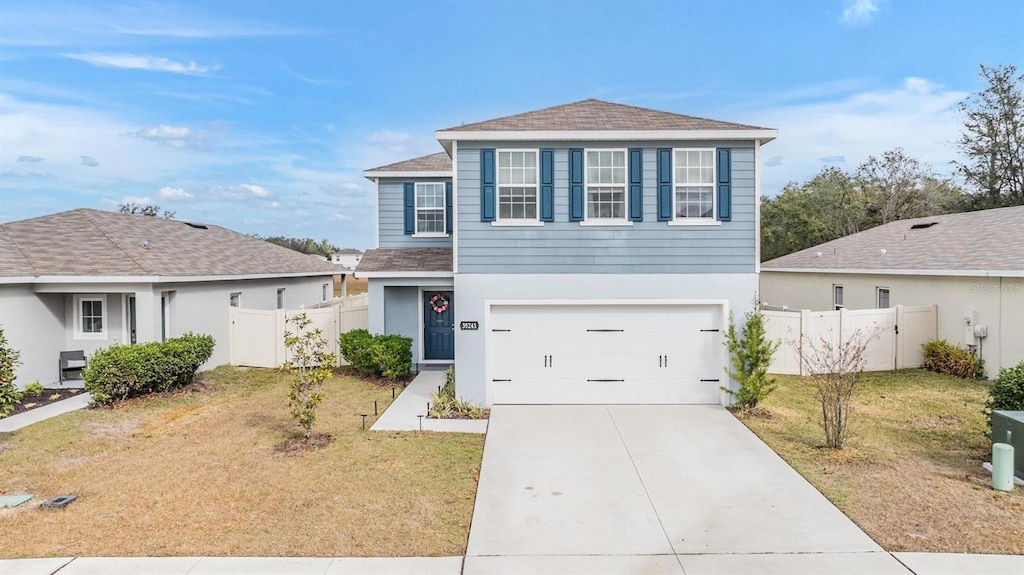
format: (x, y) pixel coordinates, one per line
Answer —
(404, 413)
(24, 419)
(658, 489)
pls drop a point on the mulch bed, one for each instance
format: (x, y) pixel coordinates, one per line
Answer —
(35, 400)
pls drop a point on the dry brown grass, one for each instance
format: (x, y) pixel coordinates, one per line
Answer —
(205, 473)
(911, 474)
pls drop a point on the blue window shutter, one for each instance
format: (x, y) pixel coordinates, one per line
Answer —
(724, 184)
(448, 208)
(665, 207)
(487, 200)
(547, 185)
(576, 185)
(410, 208)
(636, 185)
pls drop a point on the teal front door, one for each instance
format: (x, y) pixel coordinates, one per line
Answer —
(438, 325)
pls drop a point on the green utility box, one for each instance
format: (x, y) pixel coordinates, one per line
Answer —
(1012, 421)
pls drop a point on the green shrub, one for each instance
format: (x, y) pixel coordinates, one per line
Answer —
(941, 356)
(449, 383)
(392, 356)
(122, 371)
(10, 395)
(387, 356)
(355, 348)
(1007, 391)
(750, 356)
(34, 388)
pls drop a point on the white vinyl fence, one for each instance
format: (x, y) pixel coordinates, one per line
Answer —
(900, 332)
(257, 336)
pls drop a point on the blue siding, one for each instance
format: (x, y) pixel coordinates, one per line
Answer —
(391, 218)
(648, 246)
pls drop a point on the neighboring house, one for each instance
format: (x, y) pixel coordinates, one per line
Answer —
(348, 257)
(970, 265)
(585, 253)
(86, 279)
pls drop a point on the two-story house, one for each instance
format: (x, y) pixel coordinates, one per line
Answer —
(585, 253)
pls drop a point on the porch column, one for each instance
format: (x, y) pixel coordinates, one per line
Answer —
(147, 316)
(376, 304)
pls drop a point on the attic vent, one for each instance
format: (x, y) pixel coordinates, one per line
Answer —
(923, 226)
(196, 226)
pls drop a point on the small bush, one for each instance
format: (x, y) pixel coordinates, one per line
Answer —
(1007, 391)
(10, 358)
(34, 388)
(941, 356)
(311, 364)
(355, 348)
(387, 356)
(750, 357)
(122, 371)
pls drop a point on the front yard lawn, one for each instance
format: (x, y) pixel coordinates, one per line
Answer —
(911, 473)
(202, 472)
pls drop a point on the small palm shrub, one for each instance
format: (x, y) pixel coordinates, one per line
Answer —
(444, 404)
(941, 356)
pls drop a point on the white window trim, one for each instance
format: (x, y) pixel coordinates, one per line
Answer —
(79, 334)
(498, 220)
(588, 221)
(713, 220)
(416, 211)
(838, 306)
(878, 297)
(239, 299)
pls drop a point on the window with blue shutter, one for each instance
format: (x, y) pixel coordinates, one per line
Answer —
(576, 200)
(448, 225)
(410, 208)
(636, 187)
(665, 203)
(547, 185)
(724, 184)
(487, 199)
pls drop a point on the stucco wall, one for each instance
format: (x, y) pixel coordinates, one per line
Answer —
(34, 326)
(471, 291)
(996, 302)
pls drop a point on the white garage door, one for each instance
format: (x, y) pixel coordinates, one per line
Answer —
(605, 353)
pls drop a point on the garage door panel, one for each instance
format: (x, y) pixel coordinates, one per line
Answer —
(604, 354)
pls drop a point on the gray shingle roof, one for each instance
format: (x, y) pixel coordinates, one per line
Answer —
(406, 260)
(598, 115)
(439, 162)
(986, 240)
(86, 242)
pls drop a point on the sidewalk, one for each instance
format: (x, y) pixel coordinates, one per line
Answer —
(403, 414)
(15, 422)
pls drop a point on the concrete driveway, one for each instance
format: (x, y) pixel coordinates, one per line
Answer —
(651, 489)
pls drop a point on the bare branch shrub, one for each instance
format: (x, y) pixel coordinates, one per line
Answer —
(834, 364)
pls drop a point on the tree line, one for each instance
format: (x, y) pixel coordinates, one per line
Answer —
(894, 186)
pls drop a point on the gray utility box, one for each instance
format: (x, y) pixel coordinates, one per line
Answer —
(1003, 421)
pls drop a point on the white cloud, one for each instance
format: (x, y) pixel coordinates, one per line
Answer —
(23, 173)
(833, 159)
(859, 11)
(30, 159)
(173, 136)
(141, 200)
(88, 161)
(918, 115)
(169, 193)
(240, 192)
(142, 62)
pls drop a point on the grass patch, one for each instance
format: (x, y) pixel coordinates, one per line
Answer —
(911, 474)
(212, 471)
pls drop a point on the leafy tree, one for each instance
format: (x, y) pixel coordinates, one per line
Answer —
(310, 364)
(992, 139)
(137, 209)
(10, 358)
(302, 245)
(750, 356)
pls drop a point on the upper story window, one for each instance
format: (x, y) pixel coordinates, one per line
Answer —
(606, 185)
(695, 185)
(517, 185)
(430, 209)
(882, 297)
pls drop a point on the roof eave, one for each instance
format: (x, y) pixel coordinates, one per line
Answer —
(154, 278)
(404, 274)
(901, 272)
(446, 137)
(374, 175)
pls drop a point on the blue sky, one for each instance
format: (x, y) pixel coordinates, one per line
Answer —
(261, 115)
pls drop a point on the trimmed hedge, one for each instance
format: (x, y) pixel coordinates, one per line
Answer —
(122, 371)
(941, 356)
(1007, 391)
(387, 356)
